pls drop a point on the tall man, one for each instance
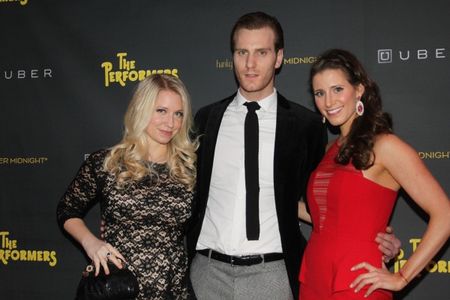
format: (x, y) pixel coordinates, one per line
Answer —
(234, 259)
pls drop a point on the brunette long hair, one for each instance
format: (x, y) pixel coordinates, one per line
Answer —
(358, 146)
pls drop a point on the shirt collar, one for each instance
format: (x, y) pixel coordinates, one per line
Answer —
(268, 103)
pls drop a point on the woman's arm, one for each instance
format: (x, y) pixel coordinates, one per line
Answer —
(97, 250)
(407, 169)
(79, 197)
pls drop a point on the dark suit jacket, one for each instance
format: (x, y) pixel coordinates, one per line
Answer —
(299, 145)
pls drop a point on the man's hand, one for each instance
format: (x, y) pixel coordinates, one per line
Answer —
(388, 243)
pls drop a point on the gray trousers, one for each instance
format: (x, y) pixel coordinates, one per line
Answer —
(216, 280)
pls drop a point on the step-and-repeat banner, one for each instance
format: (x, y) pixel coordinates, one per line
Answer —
(68, 69)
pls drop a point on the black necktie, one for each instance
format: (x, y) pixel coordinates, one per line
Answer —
(251, 138)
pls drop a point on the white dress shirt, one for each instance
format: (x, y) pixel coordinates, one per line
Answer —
(224, 226)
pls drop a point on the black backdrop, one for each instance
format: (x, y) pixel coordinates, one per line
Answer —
(68, 69)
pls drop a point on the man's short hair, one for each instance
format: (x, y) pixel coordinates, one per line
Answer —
(258, 20)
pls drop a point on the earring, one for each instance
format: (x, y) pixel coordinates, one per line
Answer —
(323, 119)
(359, 108)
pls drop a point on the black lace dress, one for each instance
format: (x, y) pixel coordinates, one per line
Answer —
(145, 221)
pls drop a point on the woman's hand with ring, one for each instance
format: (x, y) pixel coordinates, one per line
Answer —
(100, 253)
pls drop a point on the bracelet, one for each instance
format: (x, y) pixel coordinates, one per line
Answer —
(403, 276)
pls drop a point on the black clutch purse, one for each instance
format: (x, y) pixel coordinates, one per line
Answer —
(120, 284)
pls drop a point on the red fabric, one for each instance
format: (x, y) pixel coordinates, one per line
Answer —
(348, 211)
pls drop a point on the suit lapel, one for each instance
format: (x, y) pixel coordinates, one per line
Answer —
(282, 145)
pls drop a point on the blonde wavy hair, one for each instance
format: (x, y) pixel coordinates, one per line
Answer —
(128, 162)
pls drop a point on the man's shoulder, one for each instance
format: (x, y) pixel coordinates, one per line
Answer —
(207, 108)
(298, 110)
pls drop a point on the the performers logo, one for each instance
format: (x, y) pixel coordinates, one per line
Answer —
(9, 251)
(127, 71)
(22, 2)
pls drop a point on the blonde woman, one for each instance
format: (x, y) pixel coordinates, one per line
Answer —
(145, 188)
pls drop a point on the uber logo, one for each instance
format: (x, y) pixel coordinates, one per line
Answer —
(384, 56)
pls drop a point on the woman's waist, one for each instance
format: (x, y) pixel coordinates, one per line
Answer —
(144, 235)
(335, 243)
(354, 233)
(334, 257)
(335, 250)
(144, 226)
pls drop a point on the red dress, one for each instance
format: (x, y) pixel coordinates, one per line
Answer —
(347, 211)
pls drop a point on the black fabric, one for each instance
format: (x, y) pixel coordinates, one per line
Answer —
(144, 222)
(300, 140)
(120, 284)
(251, 142)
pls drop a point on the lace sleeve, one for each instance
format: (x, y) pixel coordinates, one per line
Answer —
(84, 190)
